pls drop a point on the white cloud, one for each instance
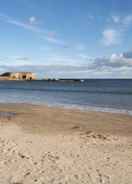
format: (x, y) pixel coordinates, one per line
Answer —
(32, 20)
(56, 41)
(122, 21)
(119, 27)
(110, 37)
(22, 24)
(116, 19)
(115, 61)
(31, 25)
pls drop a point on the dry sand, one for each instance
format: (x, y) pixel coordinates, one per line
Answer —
(42, 145)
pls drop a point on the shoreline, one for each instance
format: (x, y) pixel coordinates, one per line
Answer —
(106, 122)
(75, 107)
(92, 109)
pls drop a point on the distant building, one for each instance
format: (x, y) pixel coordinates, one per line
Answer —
(18, 76)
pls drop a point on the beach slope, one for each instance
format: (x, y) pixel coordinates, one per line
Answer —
(43, 145)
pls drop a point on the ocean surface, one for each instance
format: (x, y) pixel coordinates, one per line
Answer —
(93, 94)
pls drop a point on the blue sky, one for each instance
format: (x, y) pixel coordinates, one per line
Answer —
(67, 38)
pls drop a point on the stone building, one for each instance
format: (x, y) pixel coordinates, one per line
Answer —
(18, 76)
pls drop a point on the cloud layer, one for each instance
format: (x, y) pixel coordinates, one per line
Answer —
(116, 66)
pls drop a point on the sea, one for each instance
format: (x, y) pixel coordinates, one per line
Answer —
(107, 95)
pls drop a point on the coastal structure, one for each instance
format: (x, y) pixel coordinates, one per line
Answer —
(18, 76)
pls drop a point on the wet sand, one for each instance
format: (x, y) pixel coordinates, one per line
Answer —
(43, 145)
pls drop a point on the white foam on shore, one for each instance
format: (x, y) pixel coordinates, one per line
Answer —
(80, 107)
(92, 108)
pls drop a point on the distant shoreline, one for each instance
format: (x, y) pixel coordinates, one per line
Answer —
(66, 79)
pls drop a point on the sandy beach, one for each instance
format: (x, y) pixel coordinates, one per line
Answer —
(45, 145)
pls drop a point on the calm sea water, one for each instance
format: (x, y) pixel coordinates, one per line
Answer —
(93, 94)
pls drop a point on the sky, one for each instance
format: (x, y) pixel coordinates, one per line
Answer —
(67, 38)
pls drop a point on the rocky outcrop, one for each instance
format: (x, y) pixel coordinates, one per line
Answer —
(18, 76)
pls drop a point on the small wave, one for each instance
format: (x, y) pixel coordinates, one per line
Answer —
(96, 109)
